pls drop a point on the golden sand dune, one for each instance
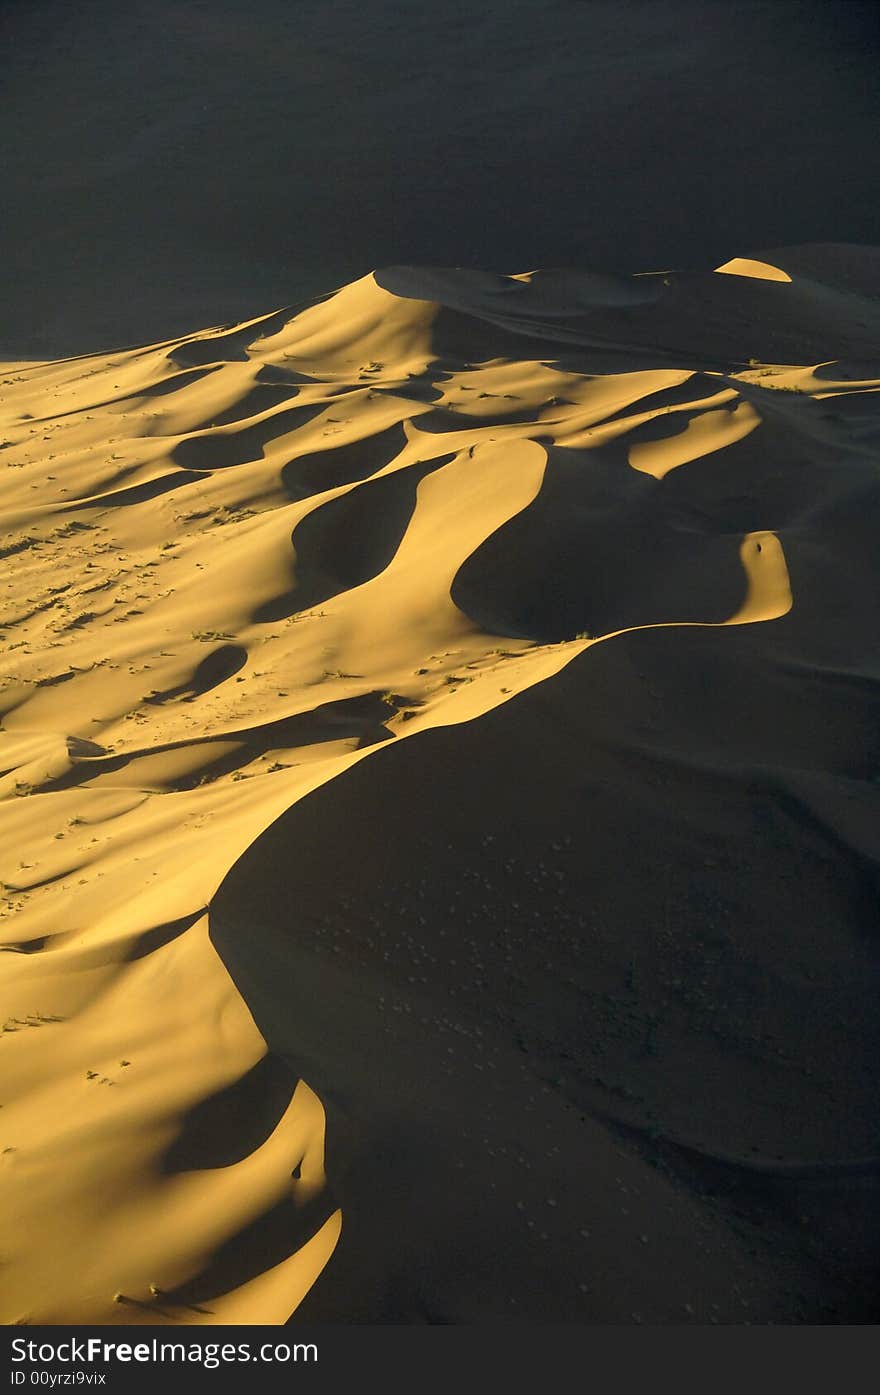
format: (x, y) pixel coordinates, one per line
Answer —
(612, 534)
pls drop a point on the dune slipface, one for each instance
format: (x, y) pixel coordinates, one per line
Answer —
(440, 807)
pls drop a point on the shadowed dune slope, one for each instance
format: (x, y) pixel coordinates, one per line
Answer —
(588, 907)
(438, 797)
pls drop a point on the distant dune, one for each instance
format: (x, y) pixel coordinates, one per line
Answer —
(440, 795)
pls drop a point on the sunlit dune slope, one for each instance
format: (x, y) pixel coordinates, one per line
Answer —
(614, 536)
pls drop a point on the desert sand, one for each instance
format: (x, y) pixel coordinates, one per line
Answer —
(440, 807)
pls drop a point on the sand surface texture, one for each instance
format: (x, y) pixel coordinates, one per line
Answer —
(440, 806)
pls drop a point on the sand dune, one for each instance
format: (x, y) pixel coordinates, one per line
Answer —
(562, 1009)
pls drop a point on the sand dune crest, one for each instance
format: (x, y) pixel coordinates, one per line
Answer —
(242, 565)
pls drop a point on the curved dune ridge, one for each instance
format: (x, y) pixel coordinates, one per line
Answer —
(242, 566)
